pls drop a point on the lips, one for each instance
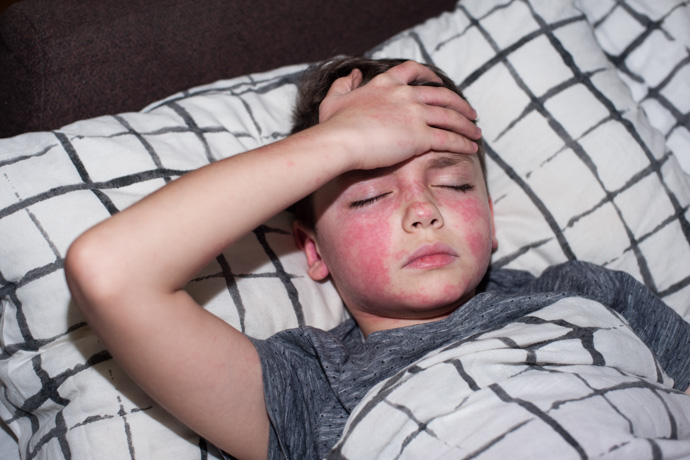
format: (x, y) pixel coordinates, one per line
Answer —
(431, 256)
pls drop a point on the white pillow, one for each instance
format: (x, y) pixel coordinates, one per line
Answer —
(649, 43)
(620, 203)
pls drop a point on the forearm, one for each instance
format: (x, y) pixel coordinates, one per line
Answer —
(127, 274)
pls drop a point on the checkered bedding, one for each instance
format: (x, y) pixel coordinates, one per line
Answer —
(530, 389)
(584, 110)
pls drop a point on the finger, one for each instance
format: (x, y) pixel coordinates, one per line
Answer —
(444, 97)
(452, 120)
(448, 141)
(410, 71)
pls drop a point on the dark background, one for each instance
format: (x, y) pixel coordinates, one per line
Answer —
(68, 60)
(5, 3)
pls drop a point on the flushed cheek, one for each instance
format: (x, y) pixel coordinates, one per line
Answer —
(479, 245)
(361, 258)
(473, 218)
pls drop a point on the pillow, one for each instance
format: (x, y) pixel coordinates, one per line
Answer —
(649, 44)
(64, 397)
(575, 170)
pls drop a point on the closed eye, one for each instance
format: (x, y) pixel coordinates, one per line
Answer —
(458, 188)
(360, 203)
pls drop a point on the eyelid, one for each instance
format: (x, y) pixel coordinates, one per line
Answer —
(366, 201)
(459, 188)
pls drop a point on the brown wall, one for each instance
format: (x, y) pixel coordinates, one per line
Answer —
(5, 3)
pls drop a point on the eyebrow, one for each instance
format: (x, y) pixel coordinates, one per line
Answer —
(446, 161)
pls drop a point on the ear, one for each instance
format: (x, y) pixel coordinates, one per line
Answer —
(331, 102)
(306, 242)
(344, 85)
(494, 241)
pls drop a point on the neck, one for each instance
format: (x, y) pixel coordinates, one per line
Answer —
(371, 323)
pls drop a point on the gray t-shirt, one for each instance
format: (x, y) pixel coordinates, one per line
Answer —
(313, 379)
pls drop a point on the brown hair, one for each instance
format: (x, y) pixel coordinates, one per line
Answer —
(313, 88)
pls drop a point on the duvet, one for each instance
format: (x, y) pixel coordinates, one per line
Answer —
(568, 381)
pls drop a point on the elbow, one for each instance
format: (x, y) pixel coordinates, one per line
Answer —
(76, 264)
(86, 273)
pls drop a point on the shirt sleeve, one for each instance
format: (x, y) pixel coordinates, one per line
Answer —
(291, 380)
(663, 330)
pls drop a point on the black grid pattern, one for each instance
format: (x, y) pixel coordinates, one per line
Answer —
(592, 184)
(653, 57)
(55, 185)
(575, 169)
(534, 403)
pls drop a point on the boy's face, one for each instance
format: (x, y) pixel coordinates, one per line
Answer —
(411, 241)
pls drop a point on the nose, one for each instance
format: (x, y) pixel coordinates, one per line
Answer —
(422, 214)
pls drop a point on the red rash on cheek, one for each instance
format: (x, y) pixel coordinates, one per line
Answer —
(474, 218)
(363, 250)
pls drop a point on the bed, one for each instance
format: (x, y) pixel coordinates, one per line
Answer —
(584, 106)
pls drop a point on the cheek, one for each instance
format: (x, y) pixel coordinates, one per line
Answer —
(361, 255)
(473, 220)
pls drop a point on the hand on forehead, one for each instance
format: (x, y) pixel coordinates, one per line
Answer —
(388, 121)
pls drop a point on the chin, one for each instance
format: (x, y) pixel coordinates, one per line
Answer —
(442, 292)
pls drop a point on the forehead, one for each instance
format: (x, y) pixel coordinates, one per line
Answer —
(467, 164)
(426, 162)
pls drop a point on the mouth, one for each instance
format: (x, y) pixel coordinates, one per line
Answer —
(431, 256)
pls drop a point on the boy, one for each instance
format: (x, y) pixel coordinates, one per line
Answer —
(397, 215)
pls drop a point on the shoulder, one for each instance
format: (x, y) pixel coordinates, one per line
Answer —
(589, 280)
(573, 278)
(567, 276)
(578, 269)
(610, 287)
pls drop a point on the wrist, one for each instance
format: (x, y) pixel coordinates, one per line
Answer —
(335, 150)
